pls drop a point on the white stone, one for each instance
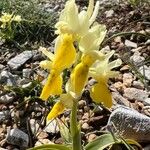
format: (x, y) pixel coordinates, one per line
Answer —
(52, 127)
(130, 44)
(109, 13)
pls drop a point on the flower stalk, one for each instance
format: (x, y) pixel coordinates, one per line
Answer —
(75, 128)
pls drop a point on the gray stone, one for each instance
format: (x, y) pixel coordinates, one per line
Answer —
(81, 103)
(19, 60)
(138, 84)
(147, 42)
(147, 101)
(137, 59)
(120, 99)
(8, 79)
(130, 124)
(17, 137)
(27, 73)
(108, 2)
(4, 115)
(145, 71)
(7, 98)
(135, 94)
(34, 126)
(130, 44)
(24, 81)
(2, 67)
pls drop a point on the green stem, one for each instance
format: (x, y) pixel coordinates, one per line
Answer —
(75, 129)
(124, 34)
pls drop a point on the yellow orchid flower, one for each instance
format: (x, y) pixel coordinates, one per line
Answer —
(100, 93)
(101, 72)
(65, 101)
(63, 58)
(80, 73)
(75, 23)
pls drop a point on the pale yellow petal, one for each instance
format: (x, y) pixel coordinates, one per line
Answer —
(95, 13)
(101, 94)
(57, 109)
(109, 55)
(114, 64)
(58, 40)
(46, 64)
(92, 40)
(83, 23)
(86, 43)
(68, 21)
(67, 100)
(89, 58)
(90, 8)
(47, 53)
(72, 15)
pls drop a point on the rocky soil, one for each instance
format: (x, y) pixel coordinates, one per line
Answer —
(22, 113)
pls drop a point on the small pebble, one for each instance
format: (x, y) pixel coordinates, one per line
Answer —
(130, 44)
(52, 127)
(109, 13)
(91, 137)
(127, 79)
(81, 103)
(85, 126)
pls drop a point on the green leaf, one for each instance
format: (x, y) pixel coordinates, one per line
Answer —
(50, 147)
(64, 131)
(102, 142)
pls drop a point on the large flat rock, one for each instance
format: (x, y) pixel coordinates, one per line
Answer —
(130, 124)
(19, 60)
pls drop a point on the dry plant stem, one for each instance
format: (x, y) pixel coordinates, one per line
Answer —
(75, 129)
